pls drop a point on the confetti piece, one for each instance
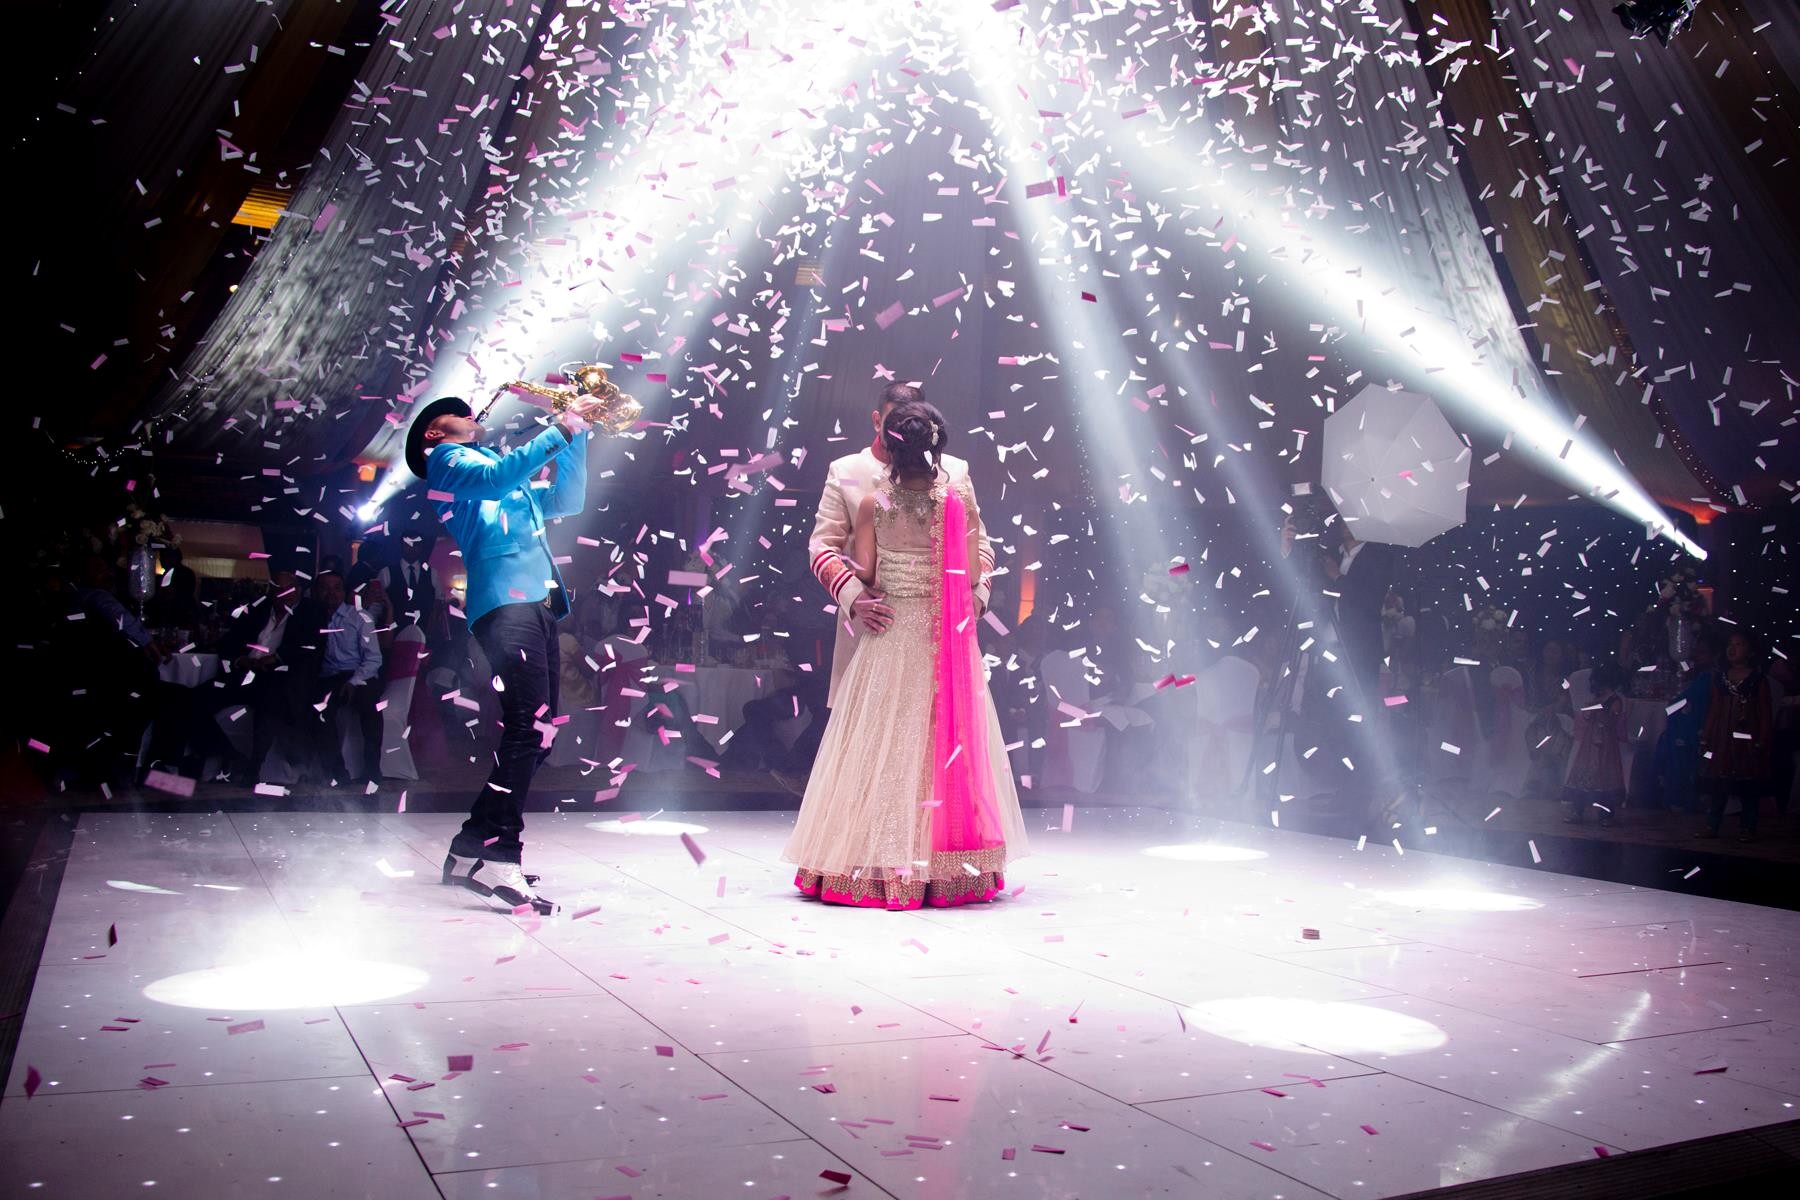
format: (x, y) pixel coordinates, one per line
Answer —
(461, 1062)
(164, 781)
(33, 1080)
(245, 1027)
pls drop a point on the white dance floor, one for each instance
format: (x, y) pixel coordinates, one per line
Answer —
(294, 1007)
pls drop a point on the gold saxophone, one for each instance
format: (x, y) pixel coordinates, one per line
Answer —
(619, 412)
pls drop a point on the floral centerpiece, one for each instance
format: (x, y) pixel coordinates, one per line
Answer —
(1684, 606)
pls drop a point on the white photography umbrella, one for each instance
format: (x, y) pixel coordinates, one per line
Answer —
(1395, 469)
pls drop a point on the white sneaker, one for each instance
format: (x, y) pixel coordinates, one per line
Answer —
(506, 884)
(458, 869)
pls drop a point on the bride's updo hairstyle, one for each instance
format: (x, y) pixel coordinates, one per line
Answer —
(916, 438)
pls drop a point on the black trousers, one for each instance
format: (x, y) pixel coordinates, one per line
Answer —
(327, 747)
(520, 643)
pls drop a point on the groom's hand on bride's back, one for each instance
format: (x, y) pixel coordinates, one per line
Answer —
(870, 611)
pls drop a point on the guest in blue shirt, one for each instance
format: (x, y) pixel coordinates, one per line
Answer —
(349, 676)
(495, 509)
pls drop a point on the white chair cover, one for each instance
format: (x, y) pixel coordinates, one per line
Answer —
(1226, 695)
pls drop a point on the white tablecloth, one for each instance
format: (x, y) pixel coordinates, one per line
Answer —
(189, 670)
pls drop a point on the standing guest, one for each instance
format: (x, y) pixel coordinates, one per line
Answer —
(1546, 696)
(271, 655)
(1678, 748)
(911, 799)
(118, 662)
(349, 676)
(1596, 775)
(412, 589)
(369, 584)
(1786, 743)
(1344, 695)
(176, 603)
(1736, 742)
(372, 557)
(515, 597)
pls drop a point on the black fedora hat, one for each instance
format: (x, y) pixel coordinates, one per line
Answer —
(415, 433)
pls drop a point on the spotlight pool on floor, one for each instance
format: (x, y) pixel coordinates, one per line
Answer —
(293, 981)
(1205, 852)
(1315, 1026)
(651, 827)
(1456, 899)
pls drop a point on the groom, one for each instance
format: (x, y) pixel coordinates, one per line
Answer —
(850, 479)
(491, 505)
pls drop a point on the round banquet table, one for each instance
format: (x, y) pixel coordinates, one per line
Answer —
(189, 670)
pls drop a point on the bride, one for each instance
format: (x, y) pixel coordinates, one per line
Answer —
(911, 799)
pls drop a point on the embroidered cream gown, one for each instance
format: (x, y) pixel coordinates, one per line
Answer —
(863, 836)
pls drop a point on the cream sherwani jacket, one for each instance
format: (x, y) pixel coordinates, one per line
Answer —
(850, 479)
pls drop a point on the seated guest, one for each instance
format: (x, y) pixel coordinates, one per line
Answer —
(349, 676)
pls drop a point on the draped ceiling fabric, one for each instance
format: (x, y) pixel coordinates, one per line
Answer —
(1375, 150)
(463, 225)
(159, 114)
(1384, 151)
(1532, 237)
(647, 198)
(1687, 218)
(304, 361)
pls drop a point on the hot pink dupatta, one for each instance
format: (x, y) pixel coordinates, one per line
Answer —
(967, 842)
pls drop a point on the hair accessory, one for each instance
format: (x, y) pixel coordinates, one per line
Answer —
(934, 433)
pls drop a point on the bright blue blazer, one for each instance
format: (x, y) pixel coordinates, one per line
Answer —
(497, 513)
